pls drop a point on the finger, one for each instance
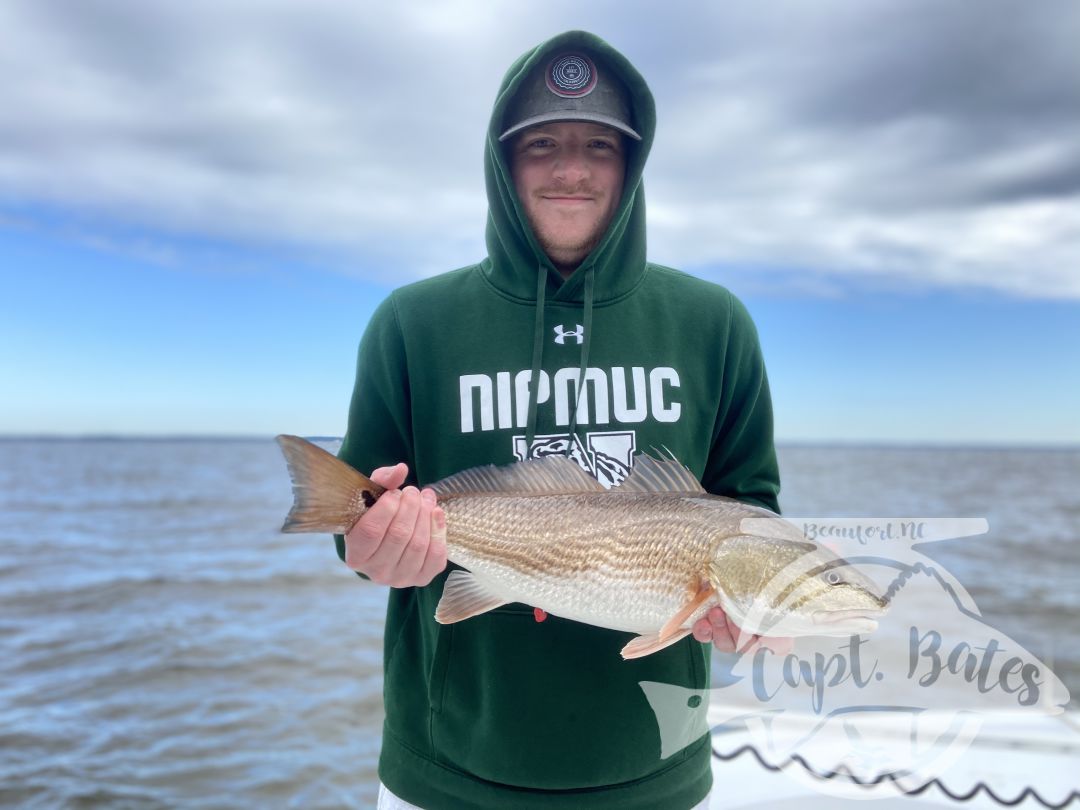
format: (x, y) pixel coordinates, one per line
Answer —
(720, 629)
(383, 563)
(722, 640)
(415, 549)
(703, 631)
(435, 561)
(717, 618)
(741, 641)
(366, 535)
(390, 477)
(362, 540)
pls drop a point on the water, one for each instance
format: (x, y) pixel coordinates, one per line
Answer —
(164, 646)
(161, 645)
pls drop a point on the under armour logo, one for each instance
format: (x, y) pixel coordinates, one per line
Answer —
(561, 334)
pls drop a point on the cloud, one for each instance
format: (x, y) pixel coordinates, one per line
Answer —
(930, 145)
(911, 142)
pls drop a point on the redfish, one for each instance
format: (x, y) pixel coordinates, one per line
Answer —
(649, 556)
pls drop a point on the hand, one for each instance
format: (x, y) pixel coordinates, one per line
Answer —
(401, 540)
(725, 636)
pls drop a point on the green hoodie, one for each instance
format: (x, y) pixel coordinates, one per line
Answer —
(500, 710)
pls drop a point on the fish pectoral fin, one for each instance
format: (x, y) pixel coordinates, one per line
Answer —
(675, 623)
(464, 596)
(672, 630)
(646, 645)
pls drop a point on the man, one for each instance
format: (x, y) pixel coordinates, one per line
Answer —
(563, 340)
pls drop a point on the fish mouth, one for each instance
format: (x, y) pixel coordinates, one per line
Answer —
(844, 622)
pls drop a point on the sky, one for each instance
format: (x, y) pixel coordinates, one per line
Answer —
(202, 203)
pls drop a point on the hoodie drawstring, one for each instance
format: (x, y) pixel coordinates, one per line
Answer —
(583, 368)
(538, 355)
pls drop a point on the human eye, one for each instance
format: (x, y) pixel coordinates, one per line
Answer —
(603, 145)
(534, 142)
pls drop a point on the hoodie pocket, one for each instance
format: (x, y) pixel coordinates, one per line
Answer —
(550, 705)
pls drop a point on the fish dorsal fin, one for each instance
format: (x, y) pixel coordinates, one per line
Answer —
(550, 475)
(660, 475)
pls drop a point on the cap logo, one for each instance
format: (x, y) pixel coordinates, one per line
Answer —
(571, 76)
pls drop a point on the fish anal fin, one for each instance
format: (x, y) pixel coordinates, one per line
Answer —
(703, 594)
(646, 645)
(464, 596)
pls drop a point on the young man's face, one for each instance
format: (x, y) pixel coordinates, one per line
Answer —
(569, 178)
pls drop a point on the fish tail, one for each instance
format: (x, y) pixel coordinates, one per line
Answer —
(328, 494)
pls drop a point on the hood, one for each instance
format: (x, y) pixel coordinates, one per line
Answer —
(514, 256)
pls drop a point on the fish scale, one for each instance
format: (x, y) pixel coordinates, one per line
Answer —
(628, 562)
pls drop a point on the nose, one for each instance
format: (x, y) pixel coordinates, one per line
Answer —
(571, 167)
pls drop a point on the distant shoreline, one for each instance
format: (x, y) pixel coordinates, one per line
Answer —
(852, 444)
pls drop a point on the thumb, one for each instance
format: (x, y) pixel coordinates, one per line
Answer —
(390, 477)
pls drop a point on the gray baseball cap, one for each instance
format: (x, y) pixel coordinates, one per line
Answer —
(570, 87)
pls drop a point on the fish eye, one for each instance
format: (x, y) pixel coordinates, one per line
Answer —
(833, 578)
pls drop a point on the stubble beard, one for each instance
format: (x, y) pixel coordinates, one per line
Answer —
(567, 251)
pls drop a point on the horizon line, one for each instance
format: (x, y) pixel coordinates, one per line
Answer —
(890, 443)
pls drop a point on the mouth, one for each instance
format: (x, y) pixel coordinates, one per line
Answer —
(566, 198)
